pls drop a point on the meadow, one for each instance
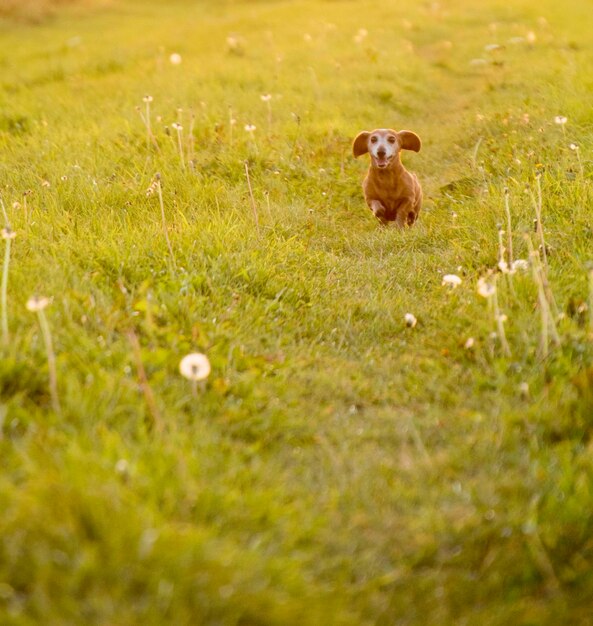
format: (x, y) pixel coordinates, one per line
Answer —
(176, 178)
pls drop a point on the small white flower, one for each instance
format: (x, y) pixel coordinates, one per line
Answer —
(177, 127)
(37, 303)
(147, 99)
(531, 37)
(410, 320)
(503, 266)
(452, 280)
(122, 467)
(469, 344)
(266, 97)
(175, 59)
(574, 146)
(195, 366)
(45, 183)
(8, 233)
(250, 127)
(560, 119)
(524, 389)
(520, 264)
(485, 289)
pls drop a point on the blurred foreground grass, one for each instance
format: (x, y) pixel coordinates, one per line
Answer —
(338, 467)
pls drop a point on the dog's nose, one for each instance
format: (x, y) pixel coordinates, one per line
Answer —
(381, 153)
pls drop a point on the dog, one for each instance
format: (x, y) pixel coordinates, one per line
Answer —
(391, 192)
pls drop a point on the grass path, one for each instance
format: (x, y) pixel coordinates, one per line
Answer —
(338, 467)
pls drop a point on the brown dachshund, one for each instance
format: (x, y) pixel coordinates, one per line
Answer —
(392, 193)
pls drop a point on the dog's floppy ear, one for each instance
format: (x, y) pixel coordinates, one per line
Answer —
(360, 145)
(409, 140)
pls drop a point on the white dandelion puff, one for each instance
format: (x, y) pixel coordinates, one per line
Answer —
(520, 265)
(38, 303)
(195, 366)
(485, 289)
(452, 280)
(410, 320)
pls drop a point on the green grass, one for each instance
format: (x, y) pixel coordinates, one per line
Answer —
(337, 467)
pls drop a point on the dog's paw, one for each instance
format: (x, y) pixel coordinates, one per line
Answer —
(379, 211)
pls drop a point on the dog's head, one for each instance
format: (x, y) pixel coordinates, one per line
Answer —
(384, 144)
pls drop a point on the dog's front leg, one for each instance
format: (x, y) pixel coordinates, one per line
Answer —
(406, 214)
(378, 210)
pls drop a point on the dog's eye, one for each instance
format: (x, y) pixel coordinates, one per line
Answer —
(373, 139)
(391, 139)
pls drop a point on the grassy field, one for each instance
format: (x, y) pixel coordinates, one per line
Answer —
(338, 467)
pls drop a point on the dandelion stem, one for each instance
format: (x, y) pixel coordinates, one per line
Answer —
(231, 124)
(51, 361)
(548, 323)
(164, 220)
(190, 138)
(180, 145)
(509, 227)
(148, 129)
(580, 162)
(253, 205)
(591, 301)
(5, 336)
(540, 227)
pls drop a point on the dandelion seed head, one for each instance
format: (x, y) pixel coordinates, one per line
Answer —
(485, 289)
(520, 264)
(452, 280)
(37, 303)
(410, 320)
(122, 467)
(195, 366)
